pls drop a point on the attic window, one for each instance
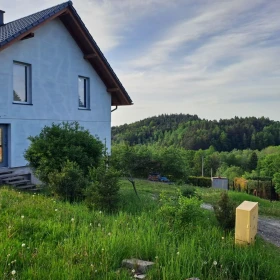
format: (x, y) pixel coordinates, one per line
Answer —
(83, 88)
(21, 83)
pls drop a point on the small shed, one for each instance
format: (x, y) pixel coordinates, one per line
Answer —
(220, 183)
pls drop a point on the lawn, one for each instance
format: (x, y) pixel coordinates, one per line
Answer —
(44, 238)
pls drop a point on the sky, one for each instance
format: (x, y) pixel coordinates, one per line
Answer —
(214, 58)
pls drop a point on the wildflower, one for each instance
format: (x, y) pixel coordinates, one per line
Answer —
(100, 212)
(102, 249)
(205, 262)
(13, 272)
(109, 233)
(178, 253)
(72, 220)
(23, 245)
(156, 257)
(90, 224)
(133, 270)
(55, 210)
(22, 216)
(99, 224)
(223, 238)
(214, 263)
(8, 255)
(95, 271)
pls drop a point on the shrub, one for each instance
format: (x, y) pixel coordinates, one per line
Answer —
(103, 192)
(200, 181)
(50, 150)
(180, 210)
(189, 191)
(68, 183)
(225, 212)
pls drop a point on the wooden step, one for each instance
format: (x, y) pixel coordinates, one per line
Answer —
(34, 189)
(6, 175)
(13, 179)
(16, 183)
(27, 187)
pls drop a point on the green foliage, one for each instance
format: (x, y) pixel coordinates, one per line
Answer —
(276, 179)
(103, 193)
(50, 150)
(192, 133)
(189, 191)
(225, 212)
(199, 181)
(69, 183)
(253, 161)
(180, 211)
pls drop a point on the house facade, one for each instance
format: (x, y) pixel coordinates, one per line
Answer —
(52, 71)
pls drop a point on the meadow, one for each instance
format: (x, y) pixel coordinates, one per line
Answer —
(44, 238)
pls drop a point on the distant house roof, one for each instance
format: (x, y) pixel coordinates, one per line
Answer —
(23, 28)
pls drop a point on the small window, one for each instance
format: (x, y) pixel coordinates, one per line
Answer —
(83, 92)
(21, 83)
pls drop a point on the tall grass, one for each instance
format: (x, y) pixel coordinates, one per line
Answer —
(42, 238)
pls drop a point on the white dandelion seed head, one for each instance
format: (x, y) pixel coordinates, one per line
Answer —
(215, 262)
(99, 224)
(22, 216)
(13, 272)
(23, 245)
(55, 210)
(72, 220)
(178, 253)
(133, 270)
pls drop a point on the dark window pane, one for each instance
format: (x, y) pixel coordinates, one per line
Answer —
(82, 92)
(20, 82)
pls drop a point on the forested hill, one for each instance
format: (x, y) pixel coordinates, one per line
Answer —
(193, 133)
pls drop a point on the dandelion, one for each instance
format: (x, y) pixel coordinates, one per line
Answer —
(205, 262)
(100, 212)
(223, 238)
(72, 220)
(214, 262)
(23, 245)
(99, 224)
(13, 272)
(102, 249)
(90, 224)
(178, 253)
(8, 255)
(55, 210)
(22, 216)
(133, 270)
(109, 233)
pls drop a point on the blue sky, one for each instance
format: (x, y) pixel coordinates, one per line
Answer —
(216, 59)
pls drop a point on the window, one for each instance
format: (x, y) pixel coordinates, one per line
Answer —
(21, 83)
(83, 92)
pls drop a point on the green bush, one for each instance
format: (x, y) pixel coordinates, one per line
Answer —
(179, 210)
(50, 150)
(103, 193)
(189, 191)
(225, 212)
(69, 183)
(200, 181)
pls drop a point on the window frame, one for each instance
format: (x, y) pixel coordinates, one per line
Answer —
(28, 83)
(86, 93)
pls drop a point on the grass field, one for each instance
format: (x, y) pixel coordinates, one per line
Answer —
(43, 238)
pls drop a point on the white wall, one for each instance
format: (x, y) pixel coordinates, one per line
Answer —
(56, 62)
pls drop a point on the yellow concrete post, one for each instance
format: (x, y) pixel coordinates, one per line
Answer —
(246, 222)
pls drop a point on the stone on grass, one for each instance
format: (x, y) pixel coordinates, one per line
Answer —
(140, 276)
(139, 266)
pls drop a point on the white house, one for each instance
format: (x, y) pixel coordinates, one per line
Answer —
(51, 70)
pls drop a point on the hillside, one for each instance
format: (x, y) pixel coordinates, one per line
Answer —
(192, 133)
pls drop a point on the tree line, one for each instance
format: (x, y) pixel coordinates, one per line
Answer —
(179, 163)
(192, 133)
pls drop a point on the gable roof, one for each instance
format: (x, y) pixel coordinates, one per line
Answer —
(23, 28)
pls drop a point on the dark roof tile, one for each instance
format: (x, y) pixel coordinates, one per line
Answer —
(10, 30)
